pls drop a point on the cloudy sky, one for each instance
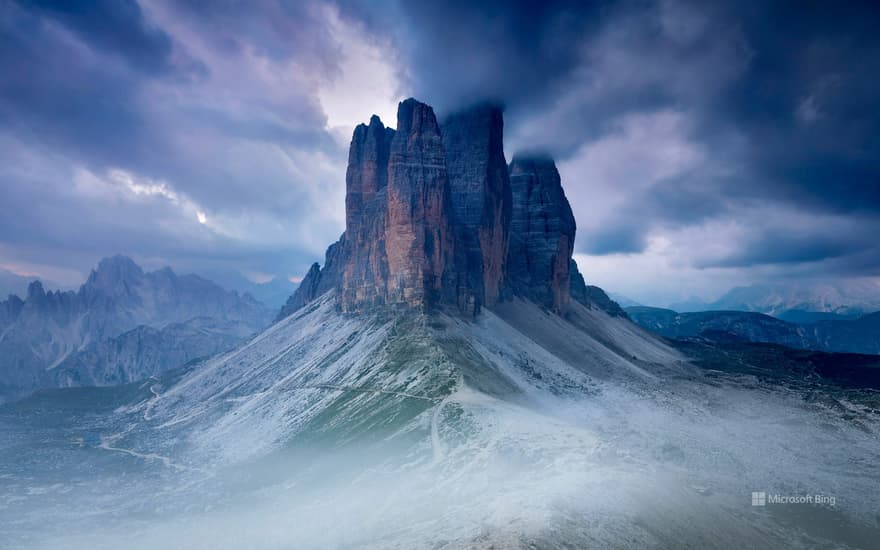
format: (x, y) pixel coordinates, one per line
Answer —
(703, 145)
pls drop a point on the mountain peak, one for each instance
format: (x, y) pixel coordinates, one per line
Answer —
(114, 275)
(542, 232)
(35, 291)
(118, 267)
(416, 117)
(51, 327)
(435, 216)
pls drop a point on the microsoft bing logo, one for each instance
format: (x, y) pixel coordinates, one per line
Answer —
(761, 498)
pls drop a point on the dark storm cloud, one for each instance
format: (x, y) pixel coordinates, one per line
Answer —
(808, 103)
(115, 26)
(792, 83)
(92, 87)
(792, 248)
(77, 75)
(521, 52)
(275, 29)
(622, 239)
(60, 93)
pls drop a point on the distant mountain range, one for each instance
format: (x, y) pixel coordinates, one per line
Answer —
(273, 293)
(13, 283)
(861, 335)
(797, 302)
(623, 301)
(121, 325)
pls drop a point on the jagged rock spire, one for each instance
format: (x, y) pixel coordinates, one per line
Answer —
(542, 233)
(435, 216)
(364, 264)
(367, 171)
(481, 198)
(419, 241)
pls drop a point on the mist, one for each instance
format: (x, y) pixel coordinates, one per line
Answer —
(602, 460)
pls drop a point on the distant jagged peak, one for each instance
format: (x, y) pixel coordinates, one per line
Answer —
(118, 263)
(168, 272)
(35, 291)
(114, 271)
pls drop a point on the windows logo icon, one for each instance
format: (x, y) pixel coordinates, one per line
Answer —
(759, 498)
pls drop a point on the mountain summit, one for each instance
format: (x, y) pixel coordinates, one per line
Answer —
(435, 217)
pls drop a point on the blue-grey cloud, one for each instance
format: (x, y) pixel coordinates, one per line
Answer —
(117, 27)
(120, 129)
(784, 112)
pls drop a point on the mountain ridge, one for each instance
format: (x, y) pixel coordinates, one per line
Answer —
(797, 302)
(861, 335)
(40, 332)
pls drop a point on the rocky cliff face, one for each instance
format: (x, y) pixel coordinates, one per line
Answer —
(481, 198)
(399, 246)
(592, 296)
(436, 217)
(362, 272)
(542, 232)
(419, 241)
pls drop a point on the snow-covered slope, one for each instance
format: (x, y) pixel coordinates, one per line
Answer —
(521, 428)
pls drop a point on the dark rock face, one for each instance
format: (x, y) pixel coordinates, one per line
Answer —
(367, 171)
(399, 245)
(317, 281)
(481, 199)
(307, 291)
(435, 216)
(366, 182)
(542, 230)
(592, 296)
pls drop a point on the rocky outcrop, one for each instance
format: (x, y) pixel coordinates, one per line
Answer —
(481, 199)
(591, 296)
(435, 216)
(367, 171)
(398, 247)
(542, 230)
(308, 290)
(419, 240)
(318, 281)
(364, 271)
